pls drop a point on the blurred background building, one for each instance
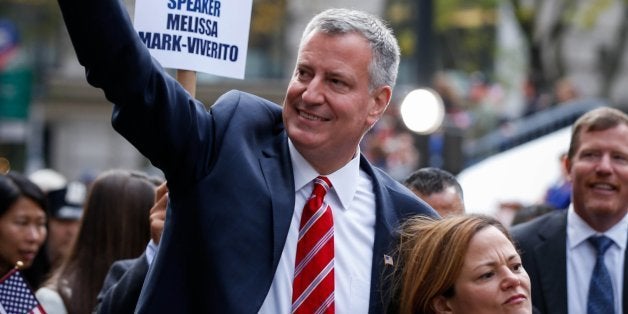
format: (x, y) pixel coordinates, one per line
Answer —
(507, 72)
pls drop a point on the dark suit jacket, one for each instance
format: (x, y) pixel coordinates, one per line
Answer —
(122, 286)
(543, 242)
(229, 174)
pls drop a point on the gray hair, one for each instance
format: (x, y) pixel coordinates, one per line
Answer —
(385, 64)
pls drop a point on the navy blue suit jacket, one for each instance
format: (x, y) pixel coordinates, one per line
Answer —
(122, 286)
(543, 245)
(229, 174)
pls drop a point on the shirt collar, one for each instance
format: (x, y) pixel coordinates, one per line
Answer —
(579, 231)
(343, 180)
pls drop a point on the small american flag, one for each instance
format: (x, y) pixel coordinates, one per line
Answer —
(388, 260)
(16, 297)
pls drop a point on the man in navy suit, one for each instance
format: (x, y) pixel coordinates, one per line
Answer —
(239, 174)
(556, 251)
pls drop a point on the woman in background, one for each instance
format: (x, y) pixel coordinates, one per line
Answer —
(459, 264)
(115, 226)
(22, 224)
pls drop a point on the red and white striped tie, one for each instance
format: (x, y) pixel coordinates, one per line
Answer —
(313, 285)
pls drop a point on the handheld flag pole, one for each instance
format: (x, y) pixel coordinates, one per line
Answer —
(16, 295)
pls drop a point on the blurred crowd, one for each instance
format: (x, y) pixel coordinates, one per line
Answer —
(474, 107)
(67, 233)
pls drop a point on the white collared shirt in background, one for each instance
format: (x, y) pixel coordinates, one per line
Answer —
(581, 258)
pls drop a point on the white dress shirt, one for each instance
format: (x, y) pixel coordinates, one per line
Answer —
(353, 206)
(581, 258)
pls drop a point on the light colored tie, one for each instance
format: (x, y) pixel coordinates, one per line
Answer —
(600, 300)
(313, 285)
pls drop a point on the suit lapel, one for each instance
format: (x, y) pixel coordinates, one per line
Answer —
(277, 171)
(551, 256)
(554, 271)
(385, 221)
(276, 167)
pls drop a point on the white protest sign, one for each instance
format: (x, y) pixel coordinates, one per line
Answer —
(208, 36)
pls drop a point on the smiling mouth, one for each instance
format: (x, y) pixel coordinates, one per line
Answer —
(310, 116)
(603, 186)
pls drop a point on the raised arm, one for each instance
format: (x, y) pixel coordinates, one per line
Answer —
(152, 110)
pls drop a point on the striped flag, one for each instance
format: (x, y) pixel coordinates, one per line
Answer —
(16, 297)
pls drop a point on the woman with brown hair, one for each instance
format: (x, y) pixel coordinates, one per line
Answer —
(114, 226)
(459, 264)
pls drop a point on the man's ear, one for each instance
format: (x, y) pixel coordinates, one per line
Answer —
(381, 99)
(441, 305)
(567, 164)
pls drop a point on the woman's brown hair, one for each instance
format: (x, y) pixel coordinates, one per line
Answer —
(431, 254)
